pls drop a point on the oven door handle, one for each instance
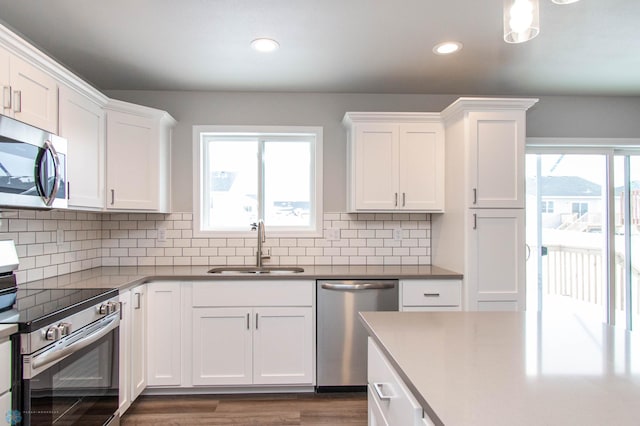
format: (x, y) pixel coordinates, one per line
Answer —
(46, 359)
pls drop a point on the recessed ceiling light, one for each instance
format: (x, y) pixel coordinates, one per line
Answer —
(265, 44)
(564, 1)
(447, 48)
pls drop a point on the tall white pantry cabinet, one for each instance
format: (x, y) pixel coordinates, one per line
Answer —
(482, 233)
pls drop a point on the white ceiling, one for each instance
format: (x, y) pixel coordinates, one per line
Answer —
(371, 46)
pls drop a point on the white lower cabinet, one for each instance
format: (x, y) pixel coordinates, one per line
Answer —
(283, 346)
(222, 346)
(125, 400)
(163, 334)
(133, 351)
(5, 377)
(138, 340)
(253, 345)
(430, 295)
(390, 401)
(375, 416)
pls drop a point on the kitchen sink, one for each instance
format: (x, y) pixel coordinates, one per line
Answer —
(256, 270)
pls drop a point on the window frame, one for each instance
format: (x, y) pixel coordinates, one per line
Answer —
(316, 213)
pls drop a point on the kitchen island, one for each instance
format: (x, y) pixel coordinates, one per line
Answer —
(508, 368)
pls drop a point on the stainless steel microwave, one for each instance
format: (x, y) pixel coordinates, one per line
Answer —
(33, 167)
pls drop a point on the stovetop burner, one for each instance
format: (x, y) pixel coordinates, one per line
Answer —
(35, 308)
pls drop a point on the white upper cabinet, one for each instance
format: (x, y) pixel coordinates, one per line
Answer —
(395, 162)
(28, 93)
(496, 153)
(138, 163)
(82, 123)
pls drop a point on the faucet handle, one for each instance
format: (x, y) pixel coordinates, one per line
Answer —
(254, 226)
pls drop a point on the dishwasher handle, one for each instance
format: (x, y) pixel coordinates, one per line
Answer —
(365, 285)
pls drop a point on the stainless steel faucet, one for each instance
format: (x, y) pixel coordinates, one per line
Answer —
(259, 226)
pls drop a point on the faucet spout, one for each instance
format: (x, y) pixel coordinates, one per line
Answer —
(259, 227)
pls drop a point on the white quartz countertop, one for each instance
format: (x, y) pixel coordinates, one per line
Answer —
(126, 276)
(507, 368)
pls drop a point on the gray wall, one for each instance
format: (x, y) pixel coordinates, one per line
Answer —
(553, 116)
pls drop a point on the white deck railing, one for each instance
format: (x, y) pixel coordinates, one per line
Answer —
(578, 273)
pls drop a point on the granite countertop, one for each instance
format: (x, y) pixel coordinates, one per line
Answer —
(126, 276)
(508, 368)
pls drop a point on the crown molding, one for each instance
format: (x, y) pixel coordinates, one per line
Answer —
(390, 117)
(462, 105)
(18, 46)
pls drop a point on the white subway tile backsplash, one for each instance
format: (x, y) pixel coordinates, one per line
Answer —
(123, 239)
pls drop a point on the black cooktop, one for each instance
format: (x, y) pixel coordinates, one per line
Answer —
(36, 308)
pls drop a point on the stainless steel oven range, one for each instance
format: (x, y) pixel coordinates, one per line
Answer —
(65, 357)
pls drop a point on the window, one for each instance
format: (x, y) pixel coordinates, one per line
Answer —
(547, 206)
(250, 173)
(579, 209)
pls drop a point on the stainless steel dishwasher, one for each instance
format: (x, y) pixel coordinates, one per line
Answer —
(342, 340)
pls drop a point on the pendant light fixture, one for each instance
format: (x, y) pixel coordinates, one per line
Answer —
(521, 20)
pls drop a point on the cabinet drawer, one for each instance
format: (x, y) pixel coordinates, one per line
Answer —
(253, 293)
(396, 403)
(375, 417)
(5, 366)
(431, 293)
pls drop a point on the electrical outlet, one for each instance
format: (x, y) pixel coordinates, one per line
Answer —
(397, 234)
(162, 235)
(333, 234)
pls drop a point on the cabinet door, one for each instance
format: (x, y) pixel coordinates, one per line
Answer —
(82, 124)
(5, 81)
(376, 166)
(5, 405)
(283, 345)
(421, 167)
(163, 334)
(496, 279)
(222, 346)
(35, 95)
(497, 141)
(138, 341)
(125, 352)
(132, 162)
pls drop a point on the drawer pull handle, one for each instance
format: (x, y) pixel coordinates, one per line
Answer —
(379, 388)
(17, 101)
(431, 294)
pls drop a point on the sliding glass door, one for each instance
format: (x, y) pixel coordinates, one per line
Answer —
(566, 203)
(583, 232)
(627, 239)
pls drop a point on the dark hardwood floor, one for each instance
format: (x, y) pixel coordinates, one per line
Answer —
(272, 409)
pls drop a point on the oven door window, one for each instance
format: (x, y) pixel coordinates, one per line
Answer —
(82, 389)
